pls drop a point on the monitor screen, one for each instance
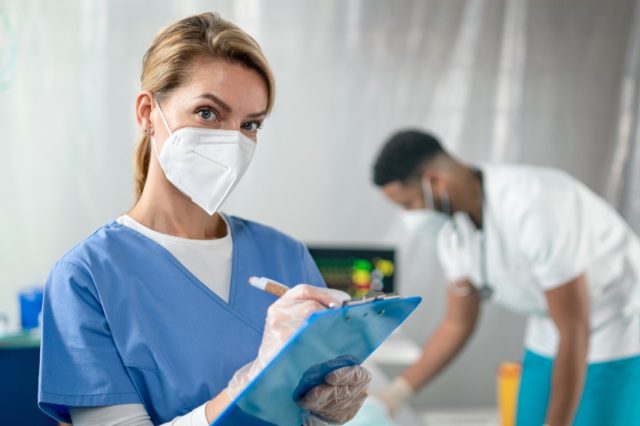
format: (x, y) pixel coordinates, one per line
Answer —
(356, 270)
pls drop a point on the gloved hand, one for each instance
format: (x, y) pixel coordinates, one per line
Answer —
(396, 395)
(339, 399)
(284, 317)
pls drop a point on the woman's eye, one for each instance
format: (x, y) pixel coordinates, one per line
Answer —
(206, 113)
(252, 126)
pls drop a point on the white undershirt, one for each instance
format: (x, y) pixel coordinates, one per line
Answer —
(208, 260)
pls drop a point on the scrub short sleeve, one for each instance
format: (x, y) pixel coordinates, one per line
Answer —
(458, 244)
(554, 239)
(80, 365)
(453, 270)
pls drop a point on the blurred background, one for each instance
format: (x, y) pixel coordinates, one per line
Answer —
(550, 82)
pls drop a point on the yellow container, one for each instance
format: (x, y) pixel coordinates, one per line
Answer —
(508, 384)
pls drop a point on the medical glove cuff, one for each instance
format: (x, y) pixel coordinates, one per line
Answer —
(397, 394)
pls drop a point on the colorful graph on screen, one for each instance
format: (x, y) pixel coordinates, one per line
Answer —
(356, 270)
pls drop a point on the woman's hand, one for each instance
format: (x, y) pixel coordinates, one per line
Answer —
(284, 317)
(288, 313)
(340, 398)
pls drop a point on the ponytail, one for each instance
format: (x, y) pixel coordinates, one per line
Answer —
(141, 164)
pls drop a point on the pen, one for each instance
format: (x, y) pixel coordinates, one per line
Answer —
(272, 286)
(268, 285)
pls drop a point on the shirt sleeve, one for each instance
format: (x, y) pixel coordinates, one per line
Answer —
(458, 248)
(111, 415)
(453, 269)
(132, 415)
(79, 363)
(554, 238)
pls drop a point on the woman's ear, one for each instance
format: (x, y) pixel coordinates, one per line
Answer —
(144, 106)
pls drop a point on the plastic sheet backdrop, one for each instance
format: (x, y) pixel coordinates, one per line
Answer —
(543, 82)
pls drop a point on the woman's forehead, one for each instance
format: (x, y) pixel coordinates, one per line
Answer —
(231, 82)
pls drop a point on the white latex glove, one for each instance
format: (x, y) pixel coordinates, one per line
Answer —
(339, 399)
(284, 317)
(396, 395)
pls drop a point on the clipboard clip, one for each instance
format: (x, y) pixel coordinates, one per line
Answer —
(372, 296)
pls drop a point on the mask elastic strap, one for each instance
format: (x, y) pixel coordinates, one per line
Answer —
(164, 120)
(427, 193)
(166, 125)
(446, 204)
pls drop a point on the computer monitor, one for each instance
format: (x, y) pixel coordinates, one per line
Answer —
(356, 270)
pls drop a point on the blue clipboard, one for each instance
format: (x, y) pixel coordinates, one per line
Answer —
(328, 340)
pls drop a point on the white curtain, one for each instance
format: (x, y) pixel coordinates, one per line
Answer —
(551, 82)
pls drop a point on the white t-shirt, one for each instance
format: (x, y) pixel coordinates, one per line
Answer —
(541, 229)
(208, 260)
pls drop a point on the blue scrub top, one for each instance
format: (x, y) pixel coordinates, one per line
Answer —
(125, 322)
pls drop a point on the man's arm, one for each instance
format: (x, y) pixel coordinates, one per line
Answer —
(443, 345)
(448, 339)
(569, 309)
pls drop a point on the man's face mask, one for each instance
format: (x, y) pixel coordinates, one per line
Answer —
(430, 218)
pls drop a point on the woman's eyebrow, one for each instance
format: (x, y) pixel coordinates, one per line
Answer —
(257, 114)
(226, 107)
(217, 100)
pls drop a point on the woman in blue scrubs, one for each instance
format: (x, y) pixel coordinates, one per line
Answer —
(150, 319)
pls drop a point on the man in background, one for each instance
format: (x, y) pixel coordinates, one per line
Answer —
(539, 242)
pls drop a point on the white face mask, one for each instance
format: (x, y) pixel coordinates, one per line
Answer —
(427, 219)
(204, 164)
(423, 220)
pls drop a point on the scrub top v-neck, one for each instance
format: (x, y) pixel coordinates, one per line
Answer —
(209, 260)
(126, 322)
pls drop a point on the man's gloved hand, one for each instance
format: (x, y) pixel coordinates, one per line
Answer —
(396, 395)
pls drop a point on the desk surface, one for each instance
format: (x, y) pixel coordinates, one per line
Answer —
(19, 340)
(487, 416)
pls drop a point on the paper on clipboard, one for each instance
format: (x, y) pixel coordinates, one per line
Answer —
(329, 339)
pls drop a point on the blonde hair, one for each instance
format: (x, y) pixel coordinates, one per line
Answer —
(166, 65)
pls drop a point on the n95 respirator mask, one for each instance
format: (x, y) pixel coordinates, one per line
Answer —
(205, 164)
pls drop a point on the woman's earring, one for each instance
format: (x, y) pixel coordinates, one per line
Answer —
(146, 130)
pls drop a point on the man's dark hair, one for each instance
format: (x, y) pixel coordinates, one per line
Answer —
(402, 157)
